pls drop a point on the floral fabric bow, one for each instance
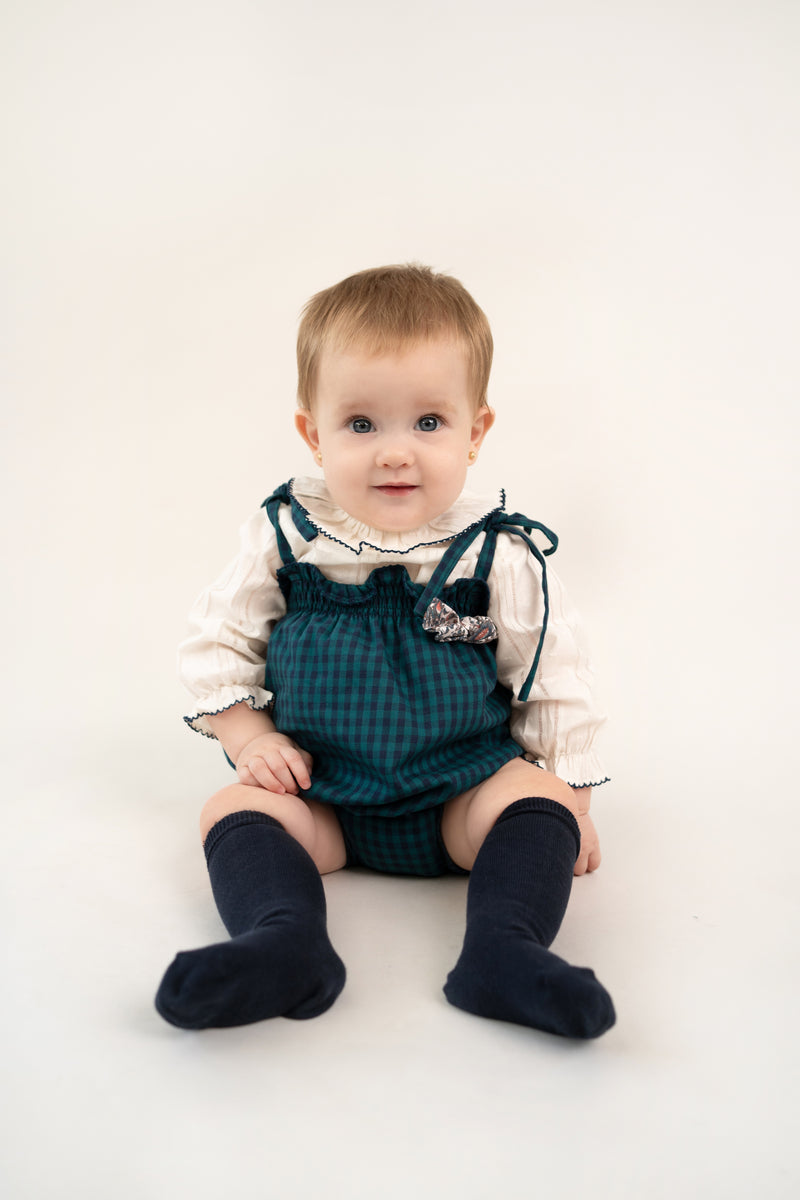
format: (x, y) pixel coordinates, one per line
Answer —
(447, 626)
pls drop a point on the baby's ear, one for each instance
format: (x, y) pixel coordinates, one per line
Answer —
(306, 426)
(484, 420)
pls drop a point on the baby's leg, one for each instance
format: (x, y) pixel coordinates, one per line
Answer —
(519, 835)
(265, 853)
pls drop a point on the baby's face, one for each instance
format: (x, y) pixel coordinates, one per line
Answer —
(395, 432)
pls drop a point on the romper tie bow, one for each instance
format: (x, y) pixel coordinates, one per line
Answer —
(522, 527)
(445, 624)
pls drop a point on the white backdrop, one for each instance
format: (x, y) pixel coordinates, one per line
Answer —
(617, 184)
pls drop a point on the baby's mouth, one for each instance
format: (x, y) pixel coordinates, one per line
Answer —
(396, 489)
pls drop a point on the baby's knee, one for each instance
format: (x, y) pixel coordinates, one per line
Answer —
(241, 797)
(554, 788)
(468, 819)
(224, 802)
(316, 830)
(522, 779)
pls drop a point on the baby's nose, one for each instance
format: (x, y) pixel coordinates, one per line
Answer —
(395, 453)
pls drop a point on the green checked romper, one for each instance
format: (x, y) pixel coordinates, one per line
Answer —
(397, 722)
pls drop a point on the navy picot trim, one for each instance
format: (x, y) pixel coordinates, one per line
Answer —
(535, 763)
(215, 713)
(309, 530)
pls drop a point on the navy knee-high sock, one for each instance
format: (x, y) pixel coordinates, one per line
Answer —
(279, 961)
(516, 899)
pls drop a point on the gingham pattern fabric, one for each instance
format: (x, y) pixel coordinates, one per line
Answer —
(392, 718)
(407, 845)
(397, 723)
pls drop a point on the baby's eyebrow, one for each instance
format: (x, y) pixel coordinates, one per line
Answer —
(347, 407)
(443, 408)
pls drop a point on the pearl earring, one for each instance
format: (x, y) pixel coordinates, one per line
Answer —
(318, 457)
(473, 455)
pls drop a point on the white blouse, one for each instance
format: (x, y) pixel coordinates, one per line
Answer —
(222, 662)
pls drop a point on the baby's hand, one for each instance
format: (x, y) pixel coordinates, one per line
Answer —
(276, 763)
(589, 857)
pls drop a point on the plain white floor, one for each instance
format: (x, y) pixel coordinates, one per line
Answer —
(618, 186)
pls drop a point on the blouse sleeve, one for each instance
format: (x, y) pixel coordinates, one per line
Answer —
(558, 724)
(222, 661)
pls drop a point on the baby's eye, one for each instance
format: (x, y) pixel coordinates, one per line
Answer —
(361, 425)
(428, 424)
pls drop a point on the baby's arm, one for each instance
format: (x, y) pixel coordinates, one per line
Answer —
(559, 723)
(221, 663)
(263, 757)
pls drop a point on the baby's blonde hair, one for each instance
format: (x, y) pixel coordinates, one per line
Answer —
(384, 310)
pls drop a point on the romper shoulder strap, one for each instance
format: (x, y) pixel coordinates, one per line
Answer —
(522, 527)
(495, 523)
(455, 551)
(272, 504)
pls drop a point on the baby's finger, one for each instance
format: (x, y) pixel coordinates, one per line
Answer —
(246, 776)
(299, 763)
(281, 771)
(307, 759)
(595, 858)
(262, 776)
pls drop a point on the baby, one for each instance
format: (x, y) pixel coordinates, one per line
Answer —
(397, 679)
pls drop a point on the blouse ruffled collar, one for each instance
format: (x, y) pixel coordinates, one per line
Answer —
(319, 512)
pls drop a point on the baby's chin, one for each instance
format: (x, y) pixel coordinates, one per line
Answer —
(399, 510)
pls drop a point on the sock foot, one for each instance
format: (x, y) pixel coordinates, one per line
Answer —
(510, 977)
(270, 972)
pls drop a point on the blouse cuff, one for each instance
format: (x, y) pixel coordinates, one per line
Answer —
(578, 770)
(256, 698)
